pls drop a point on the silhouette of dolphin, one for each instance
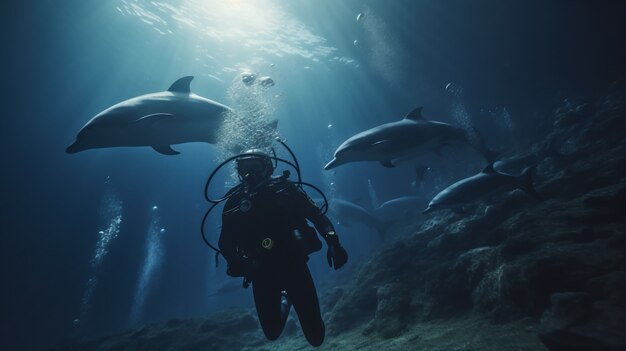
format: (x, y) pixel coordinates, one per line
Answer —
(400, 208)
(347, 213)
(157, 120)
(480, 186)
(403, 139)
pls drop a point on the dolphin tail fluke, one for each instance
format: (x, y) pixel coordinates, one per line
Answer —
(526, 181)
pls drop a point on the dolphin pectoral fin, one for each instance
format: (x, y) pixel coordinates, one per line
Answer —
(387, 164)
(181, 85)
(165, 150)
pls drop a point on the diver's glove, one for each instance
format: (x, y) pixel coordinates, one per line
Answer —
(336, 254)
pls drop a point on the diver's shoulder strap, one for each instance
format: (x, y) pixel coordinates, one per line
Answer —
(233, 190)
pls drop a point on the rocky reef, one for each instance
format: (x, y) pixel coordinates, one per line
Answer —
(513, 273)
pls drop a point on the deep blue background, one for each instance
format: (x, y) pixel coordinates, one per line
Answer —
(64, 61)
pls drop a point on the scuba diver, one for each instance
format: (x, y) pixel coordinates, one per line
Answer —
(265, 238)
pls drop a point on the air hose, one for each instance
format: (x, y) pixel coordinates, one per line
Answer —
(214, 202)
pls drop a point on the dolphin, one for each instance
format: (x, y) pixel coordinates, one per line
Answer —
(158, 120)
(399, 208)
(403, 139)
(347, 212)
(480, 186)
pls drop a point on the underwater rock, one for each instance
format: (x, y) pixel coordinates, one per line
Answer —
(576, 322)
(393, 311)
(351, 310)
(187, 334)
(330, 298)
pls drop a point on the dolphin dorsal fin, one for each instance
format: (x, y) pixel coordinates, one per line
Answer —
(415, 115)
(181, 85)
(489, 168)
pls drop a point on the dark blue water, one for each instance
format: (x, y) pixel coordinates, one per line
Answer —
(84, 250)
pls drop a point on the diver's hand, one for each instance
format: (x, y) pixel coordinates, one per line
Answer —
(336, 256)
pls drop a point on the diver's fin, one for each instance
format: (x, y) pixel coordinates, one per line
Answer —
(387, 163)
(165, 150)
(489, 168)
(154, 117)
(181, 85)
(415, 115)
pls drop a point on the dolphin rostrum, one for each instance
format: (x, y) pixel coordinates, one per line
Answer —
(480, 186)
(158, 120)
(401, 140)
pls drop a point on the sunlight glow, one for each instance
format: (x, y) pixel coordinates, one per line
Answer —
(259, 26)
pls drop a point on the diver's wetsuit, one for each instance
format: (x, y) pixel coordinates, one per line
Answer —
(258, 241)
